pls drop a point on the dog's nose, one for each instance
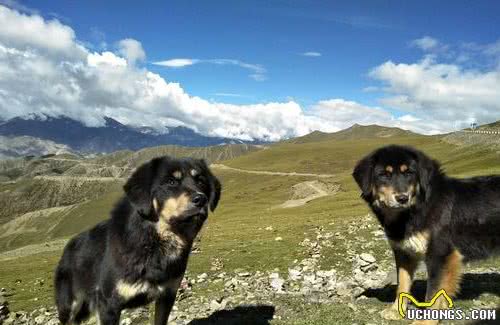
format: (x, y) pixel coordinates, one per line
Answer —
(402, 198)
(199, 199)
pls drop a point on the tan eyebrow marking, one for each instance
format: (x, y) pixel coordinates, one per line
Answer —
(177, 174)
(194, 172)
(155, 204)
(403, 168)
(388, 169)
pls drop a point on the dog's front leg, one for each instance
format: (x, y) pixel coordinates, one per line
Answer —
(165, 302)
(405, 266)
(107, 314)
(163, 307)
(444, 272)
(108, 311)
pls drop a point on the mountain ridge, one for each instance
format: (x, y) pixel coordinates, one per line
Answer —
(355, 131)
(113, 136)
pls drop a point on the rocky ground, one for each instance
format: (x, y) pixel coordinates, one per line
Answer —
(217, 296)
(304, 278)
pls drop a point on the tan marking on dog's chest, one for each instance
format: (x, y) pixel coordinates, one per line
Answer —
(128, 290)
(416, 244)
(175, 242)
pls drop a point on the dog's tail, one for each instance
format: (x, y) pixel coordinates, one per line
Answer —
(64, 293)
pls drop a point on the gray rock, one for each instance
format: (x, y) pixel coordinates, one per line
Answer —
(39, 320)
(369, 258)
(277, 284)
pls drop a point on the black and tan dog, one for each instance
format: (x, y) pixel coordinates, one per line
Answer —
(140, 254)
(428, 216)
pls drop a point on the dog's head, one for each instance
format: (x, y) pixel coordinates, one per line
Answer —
(395, 177)
(178, 192)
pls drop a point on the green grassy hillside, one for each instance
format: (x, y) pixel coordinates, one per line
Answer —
(250, 231)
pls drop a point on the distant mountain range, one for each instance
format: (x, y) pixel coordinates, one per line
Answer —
(111, 137)
(11, 147)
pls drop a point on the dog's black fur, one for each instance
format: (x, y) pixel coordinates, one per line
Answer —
(140, 254)
(430, 216)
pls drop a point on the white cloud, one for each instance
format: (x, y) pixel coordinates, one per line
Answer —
(341, 113)
(311, 54)
(61, 77)
(176, 63)
(132, 50)
(258, 71)
(105, 58)
(408, 118)
(32, 31)
(425, 43)
(447, 94)
(44, 69)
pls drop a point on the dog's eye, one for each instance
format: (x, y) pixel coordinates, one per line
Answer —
(200, 180)
(172, 182)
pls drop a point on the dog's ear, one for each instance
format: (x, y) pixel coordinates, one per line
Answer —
(215, 186)
(428, 169)
(138, 187)
(363, 175)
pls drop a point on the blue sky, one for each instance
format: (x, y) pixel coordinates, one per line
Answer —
(252, 52)
(352, 37)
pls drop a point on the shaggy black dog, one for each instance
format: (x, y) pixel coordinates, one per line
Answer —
(140, 254)
(429, 216)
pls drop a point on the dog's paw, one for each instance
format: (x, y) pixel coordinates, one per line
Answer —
(391, 313)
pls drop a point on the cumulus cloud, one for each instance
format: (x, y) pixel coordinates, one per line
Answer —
(132, 50)
(258, 72)
(44, 70)
(447, 94)
(23, 31)
(311, 54)
(341, 113)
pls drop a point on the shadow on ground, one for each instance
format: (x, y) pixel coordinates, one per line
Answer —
(473, 285)
(242, 315)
